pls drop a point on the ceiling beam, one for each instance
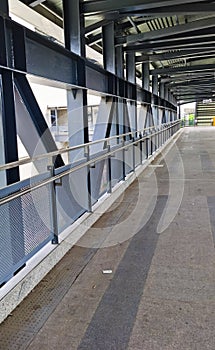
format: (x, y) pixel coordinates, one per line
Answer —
(132, 5)
(184, 77)
(185, 44)
(96, 25)
(178, 70)
(182, 54)
(36, 2)
(189, 9)
(167, 32)
(195, 82)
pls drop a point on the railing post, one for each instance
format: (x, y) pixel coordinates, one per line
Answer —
(53, 208)
(147, 147)
(151, 138)
(89, 194)
(123, 158)
(158, 138)
(109, 188)
(133, 151)
(141, 148)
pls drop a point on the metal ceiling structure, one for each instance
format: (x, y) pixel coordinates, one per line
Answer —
(175, 38)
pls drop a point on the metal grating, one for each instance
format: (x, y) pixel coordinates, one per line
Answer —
(26, 225)
(72, 198)
(99, 180)
(12, 238)
(36, 217)
(129, 159)
(117, 168)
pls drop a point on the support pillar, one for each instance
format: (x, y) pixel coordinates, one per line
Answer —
(145, 76)
(119, 62)
(120, 101)
(155, 92)
(166, 96)
(108, 47)
(161, 90)
(166, 92)
(9, 126)
(131, 77)
(106, 123)
(13, 253)
(76, 99)
(4, 8)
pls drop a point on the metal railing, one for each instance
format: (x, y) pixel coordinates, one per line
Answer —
(35, 211)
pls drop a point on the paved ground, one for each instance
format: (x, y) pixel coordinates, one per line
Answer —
(158, 240)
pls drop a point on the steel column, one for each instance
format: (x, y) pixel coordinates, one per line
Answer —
(72, 28)
(131, 77)
(11, 154)
(109, 61)
(161, 90)
(166, 92)
(4, 7)
(155, 92)
(119, 62)
(145, 76)
(120, 102)
(108, 47)
(9, 126)
(76, 98)
(130, 67)
(2, 153)
(155, 84)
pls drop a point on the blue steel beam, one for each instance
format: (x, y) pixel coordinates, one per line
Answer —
(9, 126)
(37, 117)
(4, 7)
(75, 43)
(67, 74)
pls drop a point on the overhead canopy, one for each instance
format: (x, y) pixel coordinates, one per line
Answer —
(176, 38)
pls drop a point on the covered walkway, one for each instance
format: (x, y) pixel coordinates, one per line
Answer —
(142, 278)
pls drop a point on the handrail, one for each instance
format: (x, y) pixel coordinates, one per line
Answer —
(28, 160)
(77, 167)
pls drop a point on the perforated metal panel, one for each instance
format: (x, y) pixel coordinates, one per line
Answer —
(72, 198)
(117, 168)
(11, 238)
(129, 159)
(26, 225)
(137, 154)
(99, 180)
(144, 149)
(36, 217)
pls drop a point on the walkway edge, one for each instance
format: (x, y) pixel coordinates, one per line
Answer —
(38, 267)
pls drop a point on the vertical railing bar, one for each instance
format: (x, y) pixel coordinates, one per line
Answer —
(89, 190)
(53, 206)
(109, 187)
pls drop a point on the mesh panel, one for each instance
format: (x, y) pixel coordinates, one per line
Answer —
(9, 255)
(25, 226)
(117, 168)
(144, 149)
(129, 159)
(36, 217)
(137, 154)
(72, 198)
(99, 178)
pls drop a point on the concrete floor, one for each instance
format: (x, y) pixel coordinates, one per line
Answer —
(158, 240)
